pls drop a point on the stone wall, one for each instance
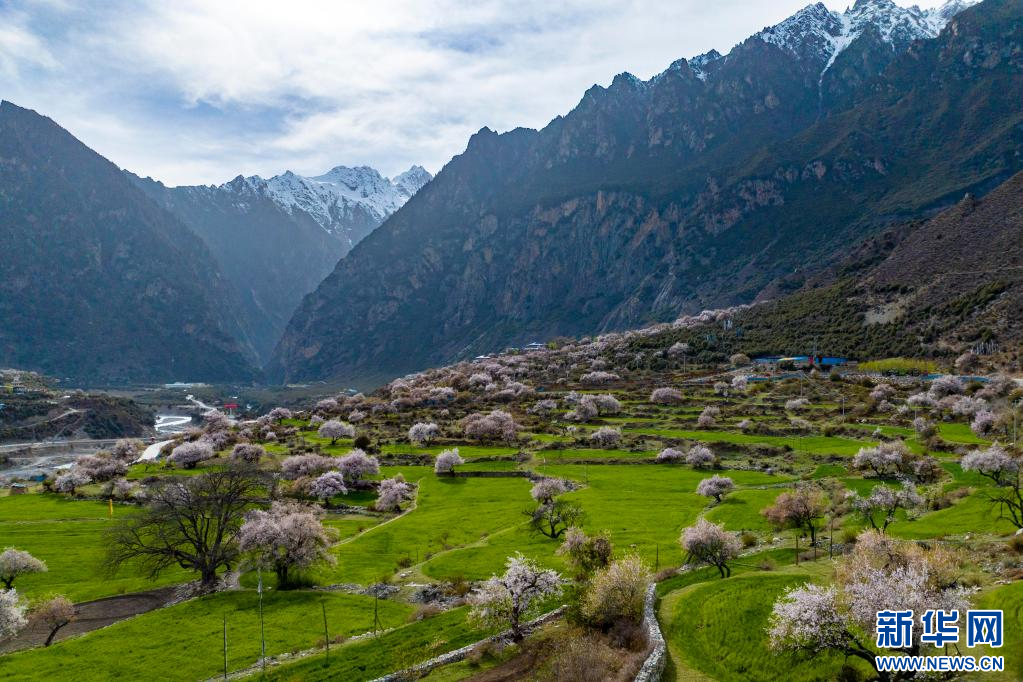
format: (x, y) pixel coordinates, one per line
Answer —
(653, 666)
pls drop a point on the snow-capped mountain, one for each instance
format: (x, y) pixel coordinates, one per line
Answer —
(343, 201)
(819, 34)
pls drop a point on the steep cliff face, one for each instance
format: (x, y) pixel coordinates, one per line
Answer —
(697, 188)
(97, 283)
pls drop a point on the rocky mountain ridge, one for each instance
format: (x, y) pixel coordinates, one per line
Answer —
(696, 189)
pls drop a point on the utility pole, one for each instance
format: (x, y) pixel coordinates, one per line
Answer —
(262, 636)
(326, 634)
(225, 647)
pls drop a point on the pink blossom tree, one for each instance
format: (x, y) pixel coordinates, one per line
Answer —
(249, 453)
(484, 427)
(391, 493)
(886, 459)
(70, 482)
(880, 575)
(52, 614)
(328, 485)
(188, 455)
(279, 414)
(510, 599)
(802, 508)
(983, 423)
(1004, 470)
(286, 538)
(357, 465)
(701, 457)
(708, 418)
(708, 543)
(126, 450)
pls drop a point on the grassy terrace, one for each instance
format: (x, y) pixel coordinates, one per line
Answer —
(185, 642)
(69, 536)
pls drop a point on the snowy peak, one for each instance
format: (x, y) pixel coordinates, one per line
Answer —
(341, 198)
(819, 35)
(412, 180)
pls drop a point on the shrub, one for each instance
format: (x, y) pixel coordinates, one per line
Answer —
(616, 593)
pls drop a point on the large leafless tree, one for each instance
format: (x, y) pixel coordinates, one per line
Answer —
(190, 522)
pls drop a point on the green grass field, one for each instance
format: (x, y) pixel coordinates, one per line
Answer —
(817, 445)
(185, 642)
(69, 535)
(395, 650)
(718, 629)
(437, 524)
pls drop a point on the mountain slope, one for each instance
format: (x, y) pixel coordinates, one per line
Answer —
(701, 188)
(931, 288)
(97, 283)
(277, 239)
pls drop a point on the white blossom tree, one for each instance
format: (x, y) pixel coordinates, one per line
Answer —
(880, 507)
(796, 404)
(17, 562)
(422, 433)
(670, 456)
(546, 489)
(447, 461)
(335, 430)
(715, 486)
(12, 613)
(285, 538)
(70, 481)
(510, 599)
(300, 466)
(666, 395)
(1003, 469)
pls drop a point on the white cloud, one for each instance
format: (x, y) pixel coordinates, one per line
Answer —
(195, 91)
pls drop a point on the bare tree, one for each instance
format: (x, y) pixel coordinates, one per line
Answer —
(190, 523)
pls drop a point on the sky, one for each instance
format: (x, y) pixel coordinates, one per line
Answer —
(198, 92)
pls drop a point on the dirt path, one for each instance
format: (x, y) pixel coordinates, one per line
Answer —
(93, 615)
